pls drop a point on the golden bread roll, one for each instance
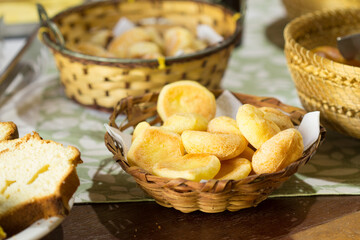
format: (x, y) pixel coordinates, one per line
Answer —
(155, 36)
(179, 122)
(186, 96)
(193, 167)
(199, 45)
(278, 152)
(224, 146)
(178, 39)
(223, 124)
(281, 119)
(234, 169)
(329, 52)
(248, 153)
(154, 55)
(253, 125)
(152, 145)
(101, 37)
(143, 49)
(140, 127)
(119, 46)
(91, 49)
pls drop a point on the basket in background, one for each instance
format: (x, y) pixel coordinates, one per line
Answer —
(102, 82)
(214, 195)
(332, 88)
(296, 8)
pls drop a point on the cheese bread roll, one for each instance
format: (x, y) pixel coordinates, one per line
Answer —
(278, 152)
(194, 167)
(248, 153)
(186, 96)
(179, 122)
(178, 39)
(281, 119)
(234, 169)
(223, 124)
(254, 126)
(152, 145)
(140, 127)
(224, 146)
(120, 45)
(143, 50)
(91, 49)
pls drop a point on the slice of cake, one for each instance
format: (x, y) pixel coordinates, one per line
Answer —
(8, 130)
(37, 179)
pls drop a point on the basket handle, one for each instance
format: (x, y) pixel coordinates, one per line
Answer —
(49, 26)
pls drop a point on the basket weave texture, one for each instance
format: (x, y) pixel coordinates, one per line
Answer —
(330, 87)
(214, 195)
(102, 82)
(296, 8)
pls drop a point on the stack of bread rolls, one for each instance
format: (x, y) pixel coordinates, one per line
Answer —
(194, 144)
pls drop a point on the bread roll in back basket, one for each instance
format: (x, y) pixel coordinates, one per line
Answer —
(101, 82)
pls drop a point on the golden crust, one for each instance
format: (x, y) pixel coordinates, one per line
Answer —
(8, 131)
(41, 208)
(278, 152)
(224, 146)
(254, 126)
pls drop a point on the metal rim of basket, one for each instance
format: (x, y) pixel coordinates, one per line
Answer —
(59, 45)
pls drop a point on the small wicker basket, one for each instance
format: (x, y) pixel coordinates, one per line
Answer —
(322, 84)
(101, 82)
(214, 195)
(296, 8)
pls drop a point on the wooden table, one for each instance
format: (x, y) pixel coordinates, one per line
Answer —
(321, 217)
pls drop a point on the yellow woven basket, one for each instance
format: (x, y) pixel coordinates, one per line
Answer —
(102, 82)
(214, 195)
(296, 8)
(330, 87)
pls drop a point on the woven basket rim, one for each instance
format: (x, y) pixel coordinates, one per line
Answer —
(136, 171)
(169, 60)
(303, 20)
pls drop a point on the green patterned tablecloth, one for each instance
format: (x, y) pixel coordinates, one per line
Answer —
(258, 67)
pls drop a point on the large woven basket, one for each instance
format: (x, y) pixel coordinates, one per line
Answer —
(330, 87)
(296, 8)
(214, 195)
(101, 82)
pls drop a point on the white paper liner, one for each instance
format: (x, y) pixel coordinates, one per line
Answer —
(206, 33)
(122, 26)
(123, 139)
(310, 128)
(228, 105)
